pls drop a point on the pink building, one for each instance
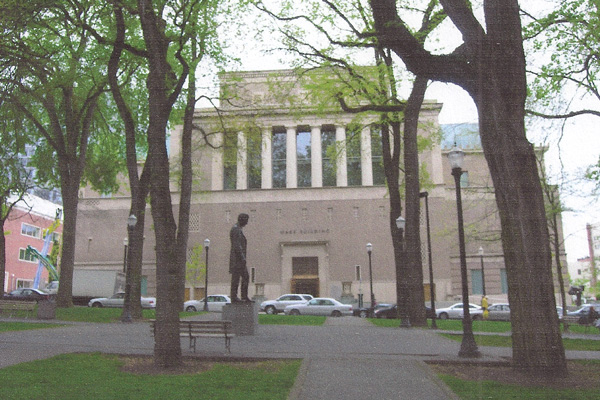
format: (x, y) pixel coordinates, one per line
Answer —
(27, 226)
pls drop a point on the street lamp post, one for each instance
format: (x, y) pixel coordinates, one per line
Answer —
(206, 247)
(126, 317)
(468, 347)
(372, 307)
(403, 307)
(482, 270)
(431, 286)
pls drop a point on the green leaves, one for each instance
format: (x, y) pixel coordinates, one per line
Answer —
(565, 46)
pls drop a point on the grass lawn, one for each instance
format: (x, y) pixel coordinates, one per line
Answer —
(579, 385)
(506, 341)
(478, 326)
(97, 376)
(92, 314)
(23, 326)
(452, 324)
(477, 390)
(266, 319)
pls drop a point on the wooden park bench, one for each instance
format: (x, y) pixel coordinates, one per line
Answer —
(13, 306)
(195, 329)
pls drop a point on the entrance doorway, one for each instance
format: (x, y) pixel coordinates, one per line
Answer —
(305, 275)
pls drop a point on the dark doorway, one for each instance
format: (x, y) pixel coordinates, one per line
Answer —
(305, 275)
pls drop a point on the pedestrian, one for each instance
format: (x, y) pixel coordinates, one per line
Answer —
(237, 260)
(484, 306)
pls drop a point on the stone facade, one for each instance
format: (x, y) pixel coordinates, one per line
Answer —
(311, 214)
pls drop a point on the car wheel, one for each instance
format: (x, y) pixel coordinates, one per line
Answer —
(476, 317)
(271, 310)
(294, 312)
(336, 313)
(97, 305)
(363, 314)
(443, 316)
(191, 309)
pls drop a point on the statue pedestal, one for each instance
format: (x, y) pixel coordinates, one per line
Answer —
(243, 317)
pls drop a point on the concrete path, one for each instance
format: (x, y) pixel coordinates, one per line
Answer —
(346, 358)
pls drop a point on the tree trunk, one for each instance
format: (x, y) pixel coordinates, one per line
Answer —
(490, 65)
(559, 270)
(500, 98)
(139, 188)
(70, 191)
(186, 172)
(414, 262)
(2, 252)
(167, 347)
(536, 337)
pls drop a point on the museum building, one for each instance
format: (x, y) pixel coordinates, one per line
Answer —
(312, 182)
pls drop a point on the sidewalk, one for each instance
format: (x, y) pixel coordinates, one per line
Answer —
(347, 358)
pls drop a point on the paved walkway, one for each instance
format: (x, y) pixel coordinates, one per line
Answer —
(347, 358)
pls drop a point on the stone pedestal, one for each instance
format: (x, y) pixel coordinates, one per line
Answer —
(46, 310)
(243, 317)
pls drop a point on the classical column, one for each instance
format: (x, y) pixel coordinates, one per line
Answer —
(217, 162)
(366, 160)
(267, 162)
(242, 162)
(291, 166)
(316, 159)
(341, 162)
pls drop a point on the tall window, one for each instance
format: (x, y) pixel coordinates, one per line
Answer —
(230, 161)
(27, 256)
(279, 158)
(353, 155)
(464, 179)
(503, 281)
(303, 157)
(254, 154)
(377, 156)
(328, 155)
(476, 283)
(30, 230)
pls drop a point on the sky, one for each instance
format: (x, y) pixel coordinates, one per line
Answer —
(570, 150)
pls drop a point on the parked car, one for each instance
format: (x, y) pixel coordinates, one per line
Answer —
(52, 287)
(455, 311)
(392, 312)
(320, 306)
(27, 294)
(280, 303)
(363, 312)
(499, 312)
(584, 312)
(215, 303)
(118, 300)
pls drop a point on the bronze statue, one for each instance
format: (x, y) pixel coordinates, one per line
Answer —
(237, 260)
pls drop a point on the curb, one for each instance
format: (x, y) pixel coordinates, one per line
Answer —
(434, 378)
(300, 379)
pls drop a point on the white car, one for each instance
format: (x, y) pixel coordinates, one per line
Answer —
(215, 303)
(499, 312)
(280, 303)
(320, 306)
(455, 311)
(118, 300)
